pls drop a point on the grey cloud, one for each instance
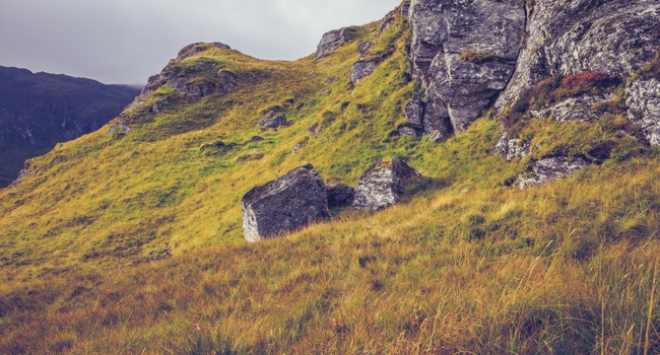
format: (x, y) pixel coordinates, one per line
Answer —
(126, 41)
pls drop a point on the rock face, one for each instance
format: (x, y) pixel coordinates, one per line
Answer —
(615, 37)
(464, 53)
(575, 109)
(340, 195)
(383, 185)
(272, 119)
(550, 170)
(289, 203)
(332, 40)
(362, 69)
(644, 107)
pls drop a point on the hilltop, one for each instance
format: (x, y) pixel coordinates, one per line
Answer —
(39, 110)
(533, 229)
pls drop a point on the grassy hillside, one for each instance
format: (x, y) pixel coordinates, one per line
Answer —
(37, 111)
(134, 245)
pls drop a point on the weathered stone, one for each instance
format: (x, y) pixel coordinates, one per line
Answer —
(387, 21)
(464, 53)
(383, 185)
(436, 137)
(185, 80)
(332, 40)
(415, 111)
(407, 131)
(361, 70)
(551, 169)
(614, 37)
(511, 148)
(196, 48)
(575, 109)
(297, 149)
(256, 139)
(643, 101)
(340, 195)
(272, 119)
(314, 129)
(363, 48)
(287, 204)
(436, 118)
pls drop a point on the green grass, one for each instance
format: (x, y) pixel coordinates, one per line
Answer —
(135, 245)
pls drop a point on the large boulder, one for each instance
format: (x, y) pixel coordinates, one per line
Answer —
(384, 184)
(272, 119)
(289, 203)
(332, 40)
(464, 53)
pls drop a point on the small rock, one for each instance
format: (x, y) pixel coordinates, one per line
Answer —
(511, 148)
(383, 185)
(436, 137)
(361, 70)
(407, 131)
(216, 144)
(272, 120)
(256, 139)
(340, 195)
(287, 204)
(297, 149)
(551, 169)
(314, 129)
(252, 154)
(329, 80)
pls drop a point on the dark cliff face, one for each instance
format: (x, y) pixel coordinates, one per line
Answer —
(37, 111)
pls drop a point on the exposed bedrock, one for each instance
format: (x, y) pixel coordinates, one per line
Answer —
(464, 53)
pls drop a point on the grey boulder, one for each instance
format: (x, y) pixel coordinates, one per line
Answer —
(384, 184)
(643, 101)
(362, 69)
(287, 204)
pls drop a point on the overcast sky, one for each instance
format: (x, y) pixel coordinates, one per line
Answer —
(126, 41)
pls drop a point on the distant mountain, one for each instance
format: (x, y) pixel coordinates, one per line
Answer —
(39, 110)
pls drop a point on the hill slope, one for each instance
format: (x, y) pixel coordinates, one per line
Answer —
(40, 110)
(131, 242)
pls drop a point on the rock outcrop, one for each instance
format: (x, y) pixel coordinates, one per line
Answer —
(551, 169)
(615, 37)
(575, 109)
(363, 69)
(464, 53)
(189, 83)
(340, 195)
(196, 48)
(511, 148)
(273, 119)
(415, 111)
(384, 184)
(289, 203)
(333, 40)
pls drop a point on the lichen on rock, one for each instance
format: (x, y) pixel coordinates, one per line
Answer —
(384, 184)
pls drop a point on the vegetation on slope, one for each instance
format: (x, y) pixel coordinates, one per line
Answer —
(134, 245)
